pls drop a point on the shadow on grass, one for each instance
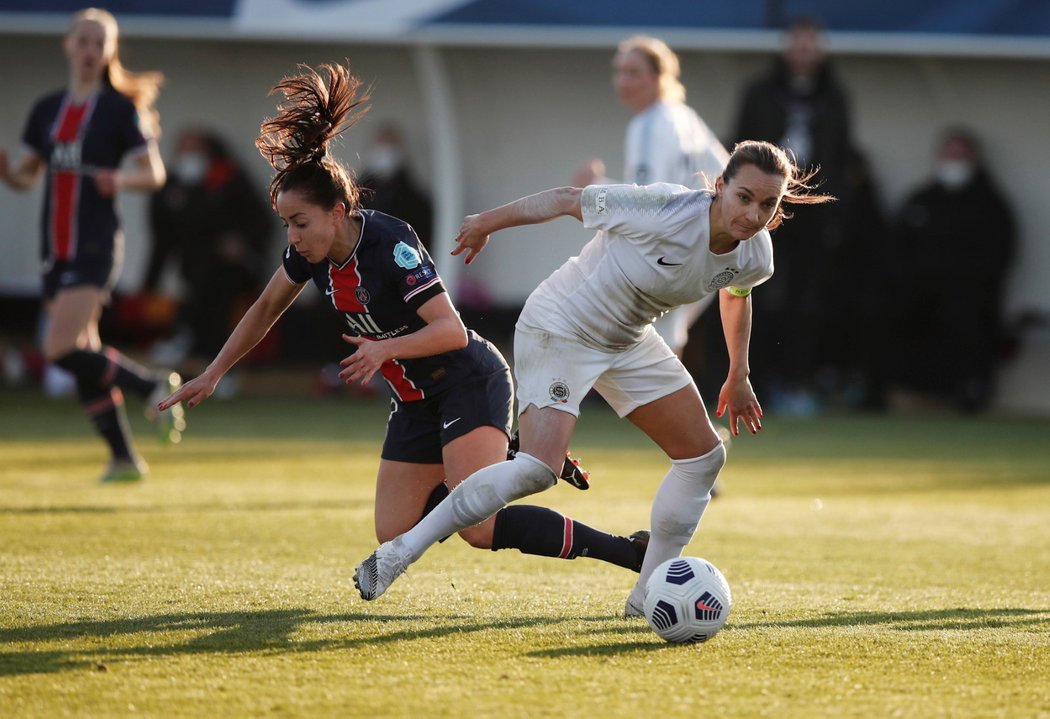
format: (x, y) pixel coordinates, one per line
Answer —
(932, 620)
(82, 645)
(924, 621)
(270, 631)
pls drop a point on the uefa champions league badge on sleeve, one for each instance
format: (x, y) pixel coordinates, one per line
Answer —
(407, 258)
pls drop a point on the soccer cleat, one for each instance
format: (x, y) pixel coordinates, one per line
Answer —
(571, 471)
(633, 607)
(120, 471)
(640, 541)
(170, 423)
(375, 575)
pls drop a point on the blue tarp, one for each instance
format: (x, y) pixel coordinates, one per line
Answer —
(1025, 18)
(1022, 19)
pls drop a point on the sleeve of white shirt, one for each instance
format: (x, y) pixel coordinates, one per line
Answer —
(633, 211)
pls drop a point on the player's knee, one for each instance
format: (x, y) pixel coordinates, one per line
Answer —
(700, 472)
(479, 536)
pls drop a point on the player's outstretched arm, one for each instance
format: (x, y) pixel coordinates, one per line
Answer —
(737, 395)
(534, 209)
(256, 322)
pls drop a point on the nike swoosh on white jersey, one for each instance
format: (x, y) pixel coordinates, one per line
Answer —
(667, 264)
(446, 425)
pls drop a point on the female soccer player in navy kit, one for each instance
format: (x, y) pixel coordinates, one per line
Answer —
(589, 325)
(451, 389)
(80, 136)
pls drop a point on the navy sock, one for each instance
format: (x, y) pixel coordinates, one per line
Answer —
(544, 532)
(108, 368)
(105, 410)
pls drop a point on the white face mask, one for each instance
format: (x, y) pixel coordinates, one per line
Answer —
(191, 167)
(383, 160)
(954, 174)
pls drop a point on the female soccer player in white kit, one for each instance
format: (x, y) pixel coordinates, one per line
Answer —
(589, 325)
(666, 141)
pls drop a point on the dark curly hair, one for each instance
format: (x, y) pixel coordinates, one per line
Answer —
(319, 105)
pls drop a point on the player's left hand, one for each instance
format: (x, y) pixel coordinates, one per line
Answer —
(471, 239)
(106, 182)
(739, 398)
(362, 365)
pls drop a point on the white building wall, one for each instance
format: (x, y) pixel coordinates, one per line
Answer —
(530, 117)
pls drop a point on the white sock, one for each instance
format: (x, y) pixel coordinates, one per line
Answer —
(481, 495)
(677, 508)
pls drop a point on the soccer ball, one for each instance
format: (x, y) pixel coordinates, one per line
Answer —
(687, 600)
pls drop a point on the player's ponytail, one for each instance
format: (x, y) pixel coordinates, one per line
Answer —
(318, 107)
(141, 87)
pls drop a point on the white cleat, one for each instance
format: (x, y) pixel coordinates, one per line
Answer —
(375, 575)
(634, 606)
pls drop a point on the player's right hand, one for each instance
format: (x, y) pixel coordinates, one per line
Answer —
(191, 393)
(471, 239)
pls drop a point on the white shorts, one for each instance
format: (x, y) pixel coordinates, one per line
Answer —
(554, 371)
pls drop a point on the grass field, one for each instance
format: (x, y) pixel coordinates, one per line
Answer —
(880, 567)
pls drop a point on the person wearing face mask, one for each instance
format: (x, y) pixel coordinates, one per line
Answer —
(954, 238)
(388, 186)
(210, 217)
(801, 105)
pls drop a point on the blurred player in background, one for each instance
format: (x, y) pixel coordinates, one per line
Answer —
(666, 142)
(588, 326)
(79, 137)
(451, 390)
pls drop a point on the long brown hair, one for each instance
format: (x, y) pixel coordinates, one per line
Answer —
(319, 105)
(141, 87)
(773, 160)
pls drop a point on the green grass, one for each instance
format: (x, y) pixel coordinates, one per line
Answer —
(880, 567)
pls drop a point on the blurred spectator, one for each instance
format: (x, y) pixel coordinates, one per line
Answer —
(211, 217)
(666, 141)
(953, 241)
(856, 325)
(801, 106)
(388, 186)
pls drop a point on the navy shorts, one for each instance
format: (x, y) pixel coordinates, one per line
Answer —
(416, 432)
(101, 272)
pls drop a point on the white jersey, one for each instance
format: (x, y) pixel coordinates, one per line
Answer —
(651, 253)
(668, 142)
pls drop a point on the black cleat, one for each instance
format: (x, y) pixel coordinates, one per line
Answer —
(571, 471)
(640, 541)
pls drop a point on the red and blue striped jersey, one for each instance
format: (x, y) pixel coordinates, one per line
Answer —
(74, 140)
(379, 290)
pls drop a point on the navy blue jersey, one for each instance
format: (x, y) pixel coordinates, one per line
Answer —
(379, 290)
(74, 140)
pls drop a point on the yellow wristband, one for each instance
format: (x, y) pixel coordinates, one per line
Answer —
(739, 291)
